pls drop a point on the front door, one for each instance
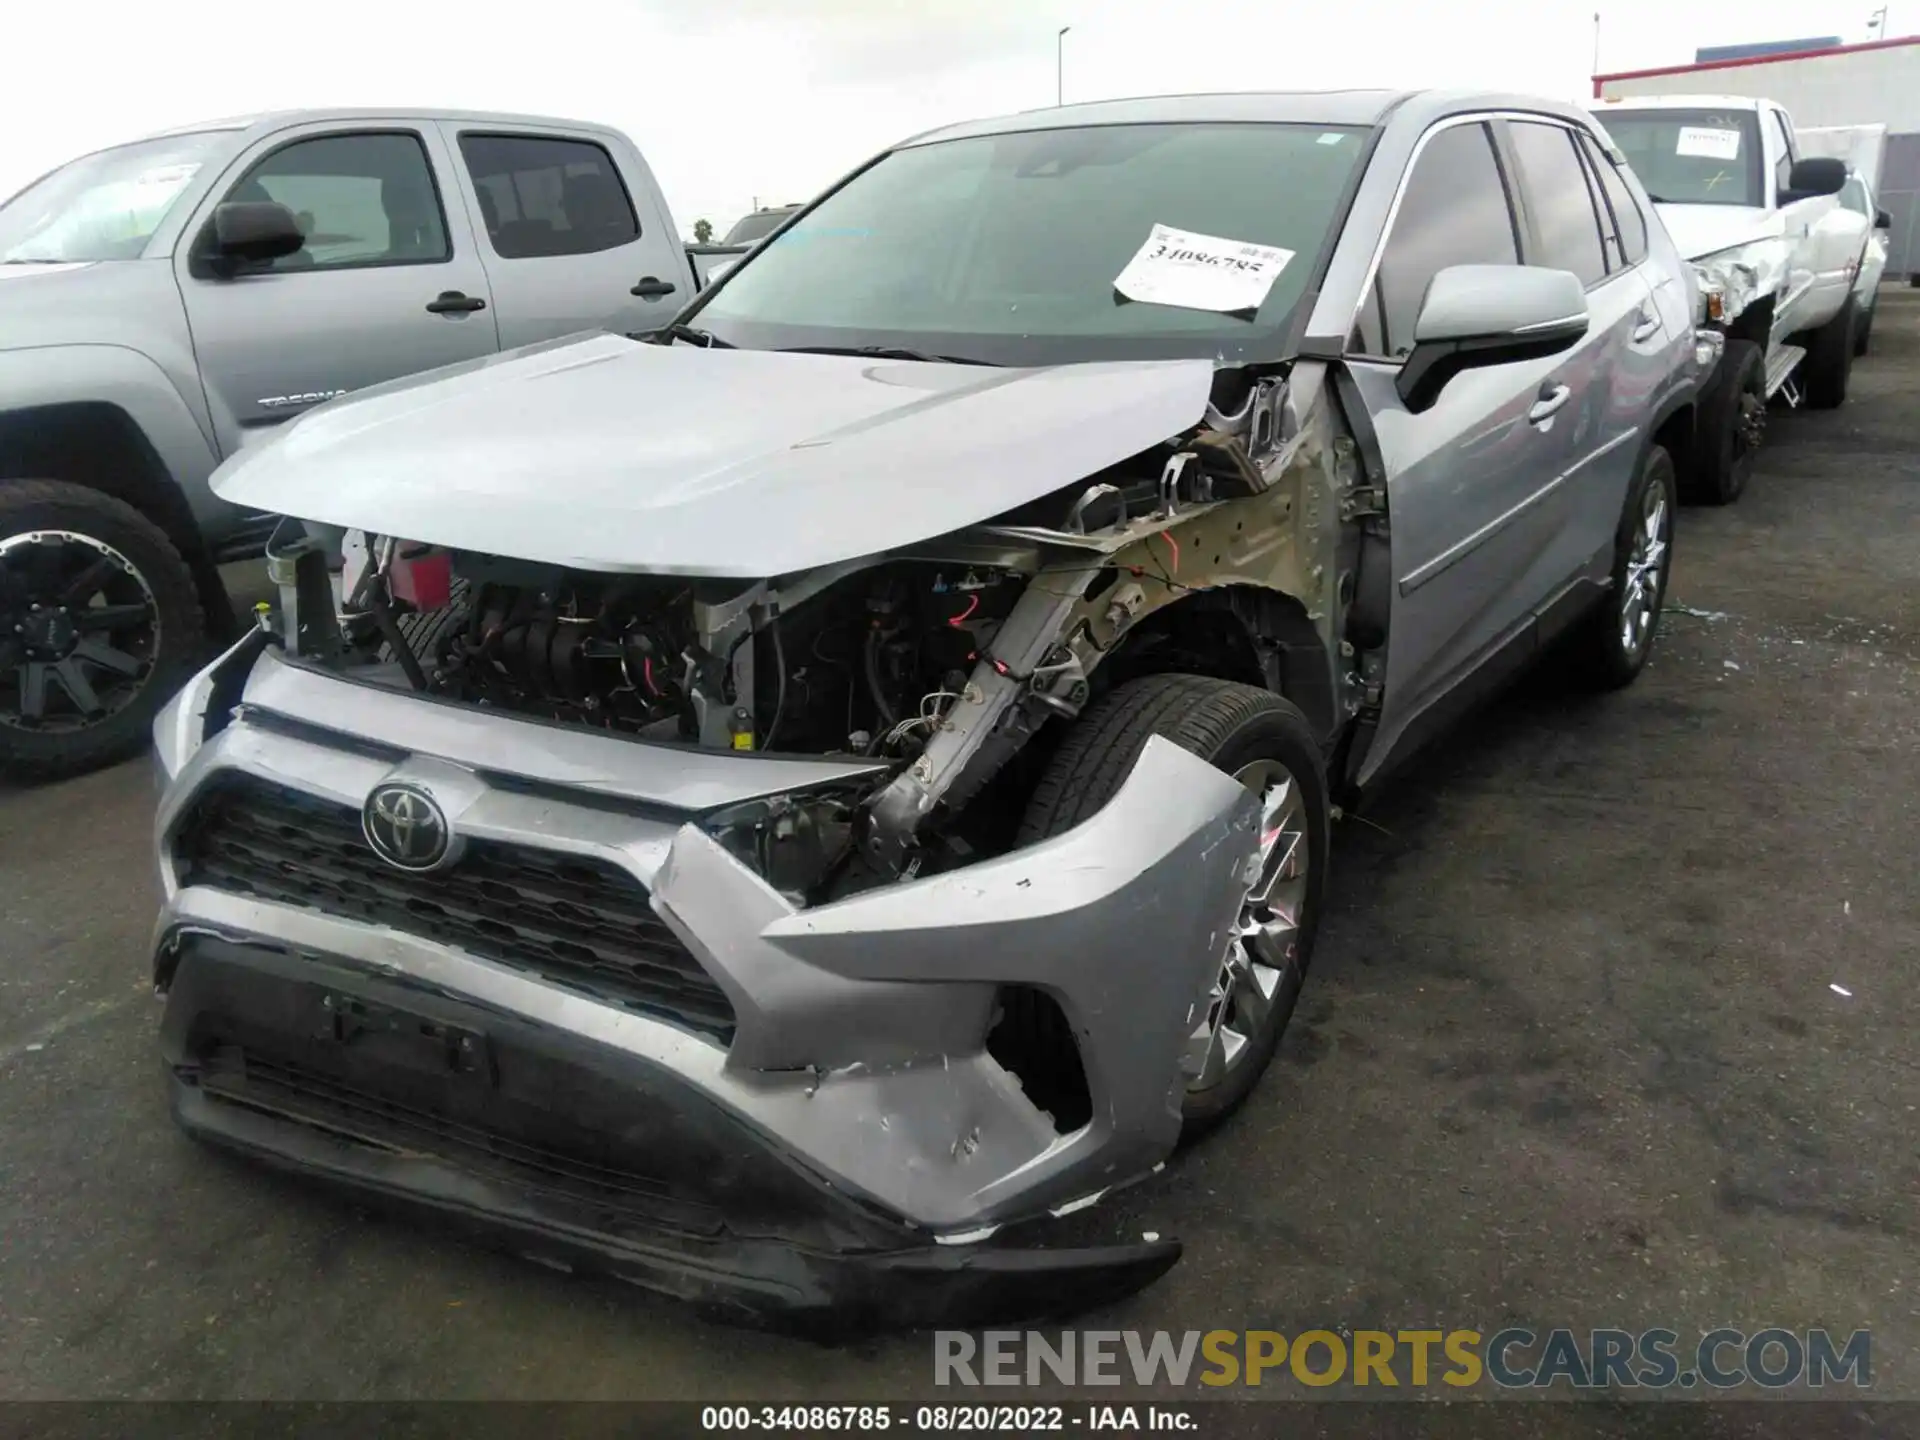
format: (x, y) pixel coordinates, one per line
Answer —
(1471, 480)
(387, 284)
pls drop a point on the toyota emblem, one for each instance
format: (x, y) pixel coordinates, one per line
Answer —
(405, 827)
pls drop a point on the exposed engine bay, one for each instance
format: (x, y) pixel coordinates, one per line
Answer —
(940, 663)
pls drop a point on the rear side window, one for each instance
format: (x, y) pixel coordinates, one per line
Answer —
(1627, 242)
(1558, 199)
(1454, 211)
(544, 196)
(361, 200)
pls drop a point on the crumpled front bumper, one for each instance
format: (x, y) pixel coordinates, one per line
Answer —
(851, 1147)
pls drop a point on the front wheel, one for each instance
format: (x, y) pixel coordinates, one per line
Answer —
(99, 622)
(1611, 645)
(1731, 426)
(1268, 746)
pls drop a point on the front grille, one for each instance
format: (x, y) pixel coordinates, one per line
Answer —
(586, 1169)
(575, 921)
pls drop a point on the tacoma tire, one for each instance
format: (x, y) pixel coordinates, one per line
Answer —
(1863, 331)
(1823, 374)
(1267, 743)
(100, 622)
(1610, 646)
(1732, 422)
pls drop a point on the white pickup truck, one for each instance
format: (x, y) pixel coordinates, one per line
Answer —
(1777, 258)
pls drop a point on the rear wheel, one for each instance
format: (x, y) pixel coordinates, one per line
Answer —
(1731, 426)
(1863, 332)
(1823, 374)
(1612, 644)
(1267, 744)
(99, 622)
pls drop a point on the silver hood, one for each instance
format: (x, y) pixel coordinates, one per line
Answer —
(602, 453)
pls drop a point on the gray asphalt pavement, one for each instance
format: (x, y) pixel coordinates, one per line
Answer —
(1573, 1051)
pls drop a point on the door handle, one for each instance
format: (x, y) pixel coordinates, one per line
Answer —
(652, 287)
(1552, 397)
(1648, 327)
(452, 302)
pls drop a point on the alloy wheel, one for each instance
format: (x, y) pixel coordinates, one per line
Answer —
(1646, 572)
(1263, 947)
(79, 631)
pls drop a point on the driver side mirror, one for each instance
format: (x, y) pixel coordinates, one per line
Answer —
(1815, 176)
(254, 231)
(1479, 315)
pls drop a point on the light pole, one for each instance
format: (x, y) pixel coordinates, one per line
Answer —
(1596, 42)
(1060, 66)
(1878, 23)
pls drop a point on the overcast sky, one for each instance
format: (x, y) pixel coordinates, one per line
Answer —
(738, 100)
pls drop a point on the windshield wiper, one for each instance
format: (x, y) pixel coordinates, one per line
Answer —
(1658, 199)
(692, 336)
(884, 352)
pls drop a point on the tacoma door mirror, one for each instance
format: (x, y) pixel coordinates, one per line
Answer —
(254, 231)
(1478, 315)
(1817, 175)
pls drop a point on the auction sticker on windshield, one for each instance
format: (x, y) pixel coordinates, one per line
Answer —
(1201, 272)
(1697, 140)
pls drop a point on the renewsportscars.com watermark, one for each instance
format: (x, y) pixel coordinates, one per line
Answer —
(1512, 1359)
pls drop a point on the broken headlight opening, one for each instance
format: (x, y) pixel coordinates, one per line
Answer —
(1732, 279)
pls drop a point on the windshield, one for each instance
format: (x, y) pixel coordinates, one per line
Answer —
(1691, 157)
(104, 206)
(756, 226)
(1007, 248)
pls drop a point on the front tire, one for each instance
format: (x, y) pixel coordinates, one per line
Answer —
(1829, 361)
(1731, 426)
(1269, 745)
(1610, 647)
(100, 622)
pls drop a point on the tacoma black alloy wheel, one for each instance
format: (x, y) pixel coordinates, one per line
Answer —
(79, 630)
(100, 620)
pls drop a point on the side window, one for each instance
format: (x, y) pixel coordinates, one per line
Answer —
(1783, 171)
(1628, 243)
(1559, 199)
(545, 196)
(1454, 211)
(361, 200)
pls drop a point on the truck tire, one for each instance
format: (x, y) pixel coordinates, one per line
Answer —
(1266, 741)
(100, 622)
(1731, 425)
(1863, 331)
(1610, 645)
(1823, 374)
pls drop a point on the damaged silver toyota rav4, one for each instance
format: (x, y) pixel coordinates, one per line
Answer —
(792, 810)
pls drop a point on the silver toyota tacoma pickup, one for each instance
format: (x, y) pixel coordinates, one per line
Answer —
(795, 811)
(168, 303)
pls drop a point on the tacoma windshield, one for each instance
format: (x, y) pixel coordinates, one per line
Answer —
(1691, 157)
(104, 206)
(1005, 248)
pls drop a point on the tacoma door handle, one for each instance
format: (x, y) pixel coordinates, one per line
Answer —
(652, 287)
(452, 302)
(1552, 397)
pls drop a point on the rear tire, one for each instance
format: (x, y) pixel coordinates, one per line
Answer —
(1610, 647)
(1829, 361)
(100, 622)
(1244, 731)
(1863, 332)
(1731, 426)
